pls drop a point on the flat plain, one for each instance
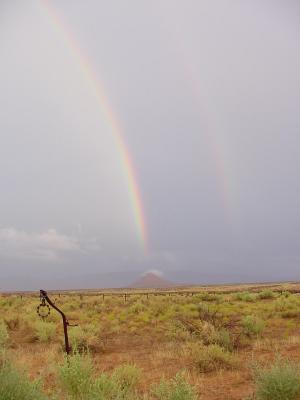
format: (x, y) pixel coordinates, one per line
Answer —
(193, 342)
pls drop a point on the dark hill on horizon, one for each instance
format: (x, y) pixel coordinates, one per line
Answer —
(151, 281)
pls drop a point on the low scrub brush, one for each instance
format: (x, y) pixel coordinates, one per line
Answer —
(280, 382)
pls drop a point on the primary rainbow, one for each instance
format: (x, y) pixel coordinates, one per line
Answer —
(97, 89)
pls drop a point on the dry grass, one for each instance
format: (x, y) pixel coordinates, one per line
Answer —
(162, 335)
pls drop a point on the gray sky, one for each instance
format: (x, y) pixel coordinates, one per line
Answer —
(207, 94)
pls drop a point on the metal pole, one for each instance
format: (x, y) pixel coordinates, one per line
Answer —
(44, 295)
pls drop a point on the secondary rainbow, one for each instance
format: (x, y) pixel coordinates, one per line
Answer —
(212, 130)
(111, 118)
(208, 116)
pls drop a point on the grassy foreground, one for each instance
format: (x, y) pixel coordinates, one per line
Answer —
(221, 343)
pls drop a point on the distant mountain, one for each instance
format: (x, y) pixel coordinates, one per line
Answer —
(151, 281)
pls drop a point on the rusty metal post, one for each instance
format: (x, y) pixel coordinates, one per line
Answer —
(44, 295)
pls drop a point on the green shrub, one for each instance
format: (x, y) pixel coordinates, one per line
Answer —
(175, 389)
(105, 388)
(78, 339)
(3, 335)
(211, 297)
(45, 331)
(266, 294)
(87, 339)
(75, 376)
(252, 325)
(126, 377)
(212, 358)
(15, 386)
(178, 332)
(78, 383)
(245, 296)
(137, 307)
(207, 333)
(281, 304)
(121, 385)
(280, 382)
(224, 339)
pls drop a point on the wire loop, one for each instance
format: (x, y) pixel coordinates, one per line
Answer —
(43, 314)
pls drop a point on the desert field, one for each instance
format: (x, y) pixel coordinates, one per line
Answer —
(212, 343)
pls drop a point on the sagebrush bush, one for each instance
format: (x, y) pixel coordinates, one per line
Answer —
(207, 333)
(14, 385)
(224, 339)
(212, 358)
(178, 332)
(280, 382)
(78, 382)
(287, 306)
(126, 378)
(45, 331)
(174, 389)
(281, 304)
(76, 376)
(78, 338)
(137, 307)
(245, 296)
(252, 325)
(85, 339)
(211, 297)
(202, 330)
(266, 294)
(3, 335)
(121, 385)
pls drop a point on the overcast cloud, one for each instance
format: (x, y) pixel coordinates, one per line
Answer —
(45, 246)
(207, 94)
